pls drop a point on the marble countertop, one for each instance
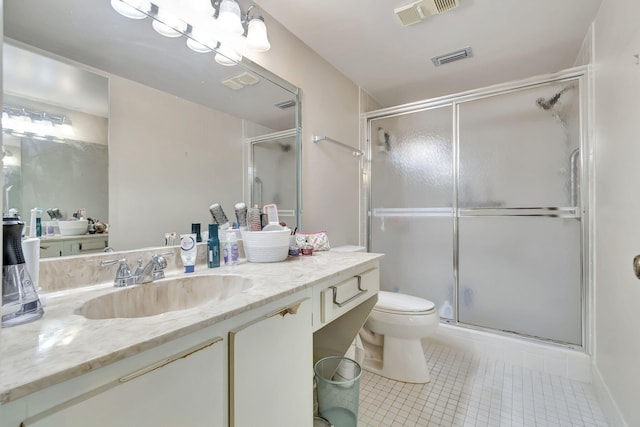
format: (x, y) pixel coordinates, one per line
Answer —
(63, 345)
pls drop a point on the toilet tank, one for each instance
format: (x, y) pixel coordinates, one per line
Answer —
(350, 248)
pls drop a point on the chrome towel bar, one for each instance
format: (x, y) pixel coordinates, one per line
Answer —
(354, 151)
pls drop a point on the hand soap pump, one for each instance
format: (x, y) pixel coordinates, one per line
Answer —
(213, 247)
(20, 302)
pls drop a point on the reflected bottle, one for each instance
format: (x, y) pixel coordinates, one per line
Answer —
(195, 229)
(213, 247)
(20, 302)
(231, 252)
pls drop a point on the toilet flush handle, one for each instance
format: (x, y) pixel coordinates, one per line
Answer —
(343, 303)
(636, 266)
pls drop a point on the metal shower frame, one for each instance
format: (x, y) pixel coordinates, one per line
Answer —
(580, 159)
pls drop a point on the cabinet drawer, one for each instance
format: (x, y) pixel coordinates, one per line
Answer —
(86, 246)
(342, 297)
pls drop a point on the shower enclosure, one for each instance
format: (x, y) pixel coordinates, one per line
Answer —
(479, 202)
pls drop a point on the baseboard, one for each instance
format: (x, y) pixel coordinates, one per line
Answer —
(607, 404)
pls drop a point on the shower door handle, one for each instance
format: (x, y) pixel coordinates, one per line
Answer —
(573, 176)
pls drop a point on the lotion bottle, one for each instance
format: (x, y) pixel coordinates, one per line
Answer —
(213, 247)
(188, 252)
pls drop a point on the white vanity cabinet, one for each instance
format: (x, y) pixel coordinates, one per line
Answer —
(252, 367)
(161, 389)
(51, 247)
(270, 372)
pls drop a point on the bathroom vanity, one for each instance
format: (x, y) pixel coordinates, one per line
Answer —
(232, 346)
(58, 245)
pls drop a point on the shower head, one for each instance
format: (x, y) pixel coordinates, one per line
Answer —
(384, 140)
(547, 104)
(284, 147)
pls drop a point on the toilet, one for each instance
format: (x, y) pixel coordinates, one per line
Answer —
(392, 337)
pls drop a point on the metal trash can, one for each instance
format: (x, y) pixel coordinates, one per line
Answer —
(338, 383)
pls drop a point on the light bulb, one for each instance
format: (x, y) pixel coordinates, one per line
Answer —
(257, 35)
(168, 24)
(227, 56)
(229, 17)
(200, 41)
(132, 8)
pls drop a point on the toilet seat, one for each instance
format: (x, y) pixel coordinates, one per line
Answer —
(402, 304)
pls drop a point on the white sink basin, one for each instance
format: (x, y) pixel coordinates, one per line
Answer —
(73, 228)
(163, 296)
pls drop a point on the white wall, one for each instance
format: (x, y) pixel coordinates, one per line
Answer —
(330, 175)
(617, 130)
(185, 157)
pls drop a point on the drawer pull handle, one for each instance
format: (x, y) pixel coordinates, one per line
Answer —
(287, 310)
(343, 303)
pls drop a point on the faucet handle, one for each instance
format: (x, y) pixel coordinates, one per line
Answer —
(159, 264)
(123, 275)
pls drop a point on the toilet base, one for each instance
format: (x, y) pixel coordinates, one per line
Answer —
(402, 360)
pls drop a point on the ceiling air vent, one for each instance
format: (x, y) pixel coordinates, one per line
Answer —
(416, 11)
(452, 56)
(286, 104)
(240, 81)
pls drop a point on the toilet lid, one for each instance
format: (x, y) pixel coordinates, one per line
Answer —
(401, 303)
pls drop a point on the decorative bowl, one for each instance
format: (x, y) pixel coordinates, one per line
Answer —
(266, 246)
(73, 228)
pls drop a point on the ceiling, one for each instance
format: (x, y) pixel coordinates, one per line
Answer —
(510, 39)
(364, 40)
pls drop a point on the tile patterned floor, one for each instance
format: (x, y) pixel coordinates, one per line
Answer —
(470, 391)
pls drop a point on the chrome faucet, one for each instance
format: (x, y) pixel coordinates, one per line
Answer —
(154, 270)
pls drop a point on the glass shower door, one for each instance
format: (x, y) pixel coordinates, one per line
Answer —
(519, 258)
(411, 204)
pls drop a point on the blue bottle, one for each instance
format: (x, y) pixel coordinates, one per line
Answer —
(213, 247)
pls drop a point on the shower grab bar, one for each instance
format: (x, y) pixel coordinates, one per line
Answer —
(573, 177)
(354, 151)
(551, 212)
(257, 191)
(413, 212)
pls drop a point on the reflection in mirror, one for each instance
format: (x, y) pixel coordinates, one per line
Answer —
(273, 173)
(178, 122)
(55, 132)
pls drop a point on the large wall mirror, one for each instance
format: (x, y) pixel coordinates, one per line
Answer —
(159, 132)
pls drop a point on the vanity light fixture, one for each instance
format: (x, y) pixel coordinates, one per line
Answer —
(22, 122)
(210, 25)
(132, 9)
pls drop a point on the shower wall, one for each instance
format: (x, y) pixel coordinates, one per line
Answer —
(475, 204)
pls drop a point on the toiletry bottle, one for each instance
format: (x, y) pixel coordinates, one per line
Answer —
(188, 252)
(38, 227)
(213, 247)
(32, 222)
(195, 229)
(231, 248)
